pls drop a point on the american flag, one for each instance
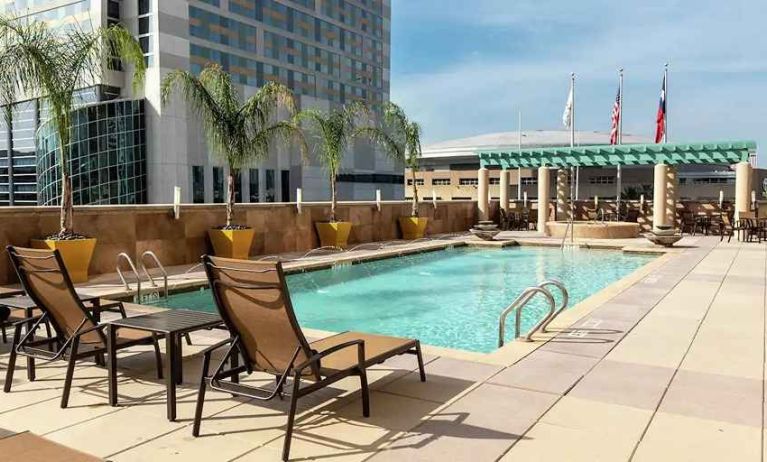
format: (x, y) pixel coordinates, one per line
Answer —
(616, 119)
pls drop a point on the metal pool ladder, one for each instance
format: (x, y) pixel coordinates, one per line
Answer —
(159, 266)
(126, 257)
(524, 298)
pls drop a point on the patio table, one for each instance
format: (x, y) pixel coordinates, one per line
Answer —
(172, 324)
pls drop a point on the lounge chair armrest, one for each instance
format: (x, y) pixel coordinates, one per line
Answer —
(318, 356)
(218, 345)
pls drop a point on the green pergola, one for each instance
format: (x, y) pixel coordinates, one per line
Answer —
(722, 152)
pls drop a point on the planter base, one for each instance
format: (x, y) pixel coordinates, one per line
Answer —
(413, 227)
(232, 243)
(334, 234)
(76, 255)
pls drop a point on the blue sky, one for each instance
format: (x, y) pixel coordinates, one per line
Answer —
(465, 67)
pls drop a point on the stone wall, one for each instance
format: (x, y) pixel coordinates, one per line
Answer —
(279, 228)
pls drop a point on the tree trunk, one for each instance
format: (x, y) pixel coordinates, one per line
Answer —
(332, 198)
(414, 211)
(230, 198)
(66, 217)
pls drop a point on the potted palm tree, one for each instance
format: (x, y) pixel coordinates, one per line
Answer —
(401, 139)
(238, 132)
(55, 65)
(333, 132)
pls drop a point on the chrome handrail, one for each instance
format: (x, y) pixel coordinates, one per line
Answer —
(159, 266)
(517, 306)
(125, 256)
(565, 301)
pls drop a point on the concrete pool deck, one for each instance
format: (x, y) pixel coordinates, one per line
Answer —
(666, 365)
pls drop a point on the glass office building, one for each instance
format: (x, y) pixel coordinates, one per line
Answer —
(107, 158)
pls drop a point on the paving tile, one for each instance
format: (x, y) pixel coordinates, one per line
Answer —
(627, 384)
(592, 337)
(480, 426)
(582, 430)
(715, 397)
(680, 438)
(545, 371)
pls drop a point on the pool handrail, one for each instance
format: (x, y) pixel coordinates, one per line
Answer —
(565, 301)
(517, 305)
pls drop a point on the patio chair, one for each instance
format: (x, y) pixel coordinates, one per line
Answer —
(253, 301)
(77, 334)
(688, 222)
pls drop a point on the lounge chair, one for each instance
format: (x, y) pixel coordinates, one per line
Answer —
(78, 335)
(253, 300)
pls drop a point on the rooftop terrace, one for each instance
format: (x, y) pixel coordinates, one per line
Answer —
(668, 363)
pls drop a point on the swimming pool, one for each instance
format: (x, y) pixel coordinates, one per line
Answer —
(450, 298)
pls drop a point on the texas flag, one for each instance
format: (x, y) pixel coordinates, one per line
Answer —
(660, 121)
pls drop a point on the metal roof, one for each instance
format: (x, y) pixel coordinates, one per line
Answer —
(715, 152)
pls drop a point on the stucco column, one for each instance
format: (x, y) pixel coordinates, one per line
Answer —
(543, 198)
(483, 200)
(562, 209)
(504, 185)
(659, 216)
(672, 191)
(742, 188)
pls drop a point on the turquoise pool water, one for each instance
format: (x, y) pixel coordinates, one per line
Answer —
(449, 298)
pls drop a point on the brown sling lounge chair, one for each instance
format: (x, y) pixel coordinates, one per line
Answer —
(254, 303)
(77, 334)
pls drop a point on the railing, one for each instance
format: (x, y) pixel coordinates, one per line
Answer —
(126, 257)
(159, 266)
(524, 298)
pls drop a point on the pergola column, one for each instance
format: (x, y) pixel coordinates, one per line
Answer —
(544, 188)
(562, 209)
(504, 185)
(743, 172)
(672, 191)
(483, 199)
(659, 215)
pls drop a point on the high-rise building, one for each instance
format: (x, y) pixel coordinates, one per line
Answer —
(131, 149)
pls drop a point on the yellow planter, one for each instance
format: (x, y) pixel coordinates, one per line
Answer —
(232, 243)
(334, 234)
(76, 254)
(413, 227)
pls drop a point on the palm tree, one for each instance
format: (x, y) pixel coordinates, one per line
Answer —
(238, 132)
(38, 61)
(401, 139)
(334, 130)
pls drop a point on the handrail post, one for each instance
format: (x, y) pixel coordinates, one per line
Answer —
(153, 256)
(123, 255)
(565, 301)
(521, 301)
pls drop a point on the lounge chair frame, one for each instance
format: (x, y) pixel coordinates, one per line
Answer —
(229, 368)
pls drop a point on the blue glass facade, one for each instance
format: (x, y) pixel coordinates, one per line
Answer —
(107, 158)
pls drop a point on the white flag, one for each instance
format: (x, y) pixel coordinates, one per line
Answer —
(567, 117)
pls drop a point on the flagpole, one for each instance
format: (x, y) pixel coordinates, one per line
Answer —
(665, 114)
(619, 177)
(519, 150)
(572, 136)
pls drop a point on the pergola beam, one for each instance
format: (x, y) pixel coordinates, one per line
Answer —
(725, 152)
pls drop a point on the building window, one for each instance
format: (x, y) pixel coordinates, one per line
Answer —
(285, 185)
(269, 185)
(218, 185)
(495, 181)
(253, 180)
(602, 179)
(198, 184)
(468, 181)
(238, 187)
(418, 182)
(440, 182)
(529, 180)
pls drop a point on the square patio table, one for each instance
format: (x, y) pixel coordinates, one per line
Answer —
(172, 324)
(24, 302)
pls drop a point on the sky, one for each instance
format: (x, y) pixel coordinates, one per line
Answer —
(467, 67)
